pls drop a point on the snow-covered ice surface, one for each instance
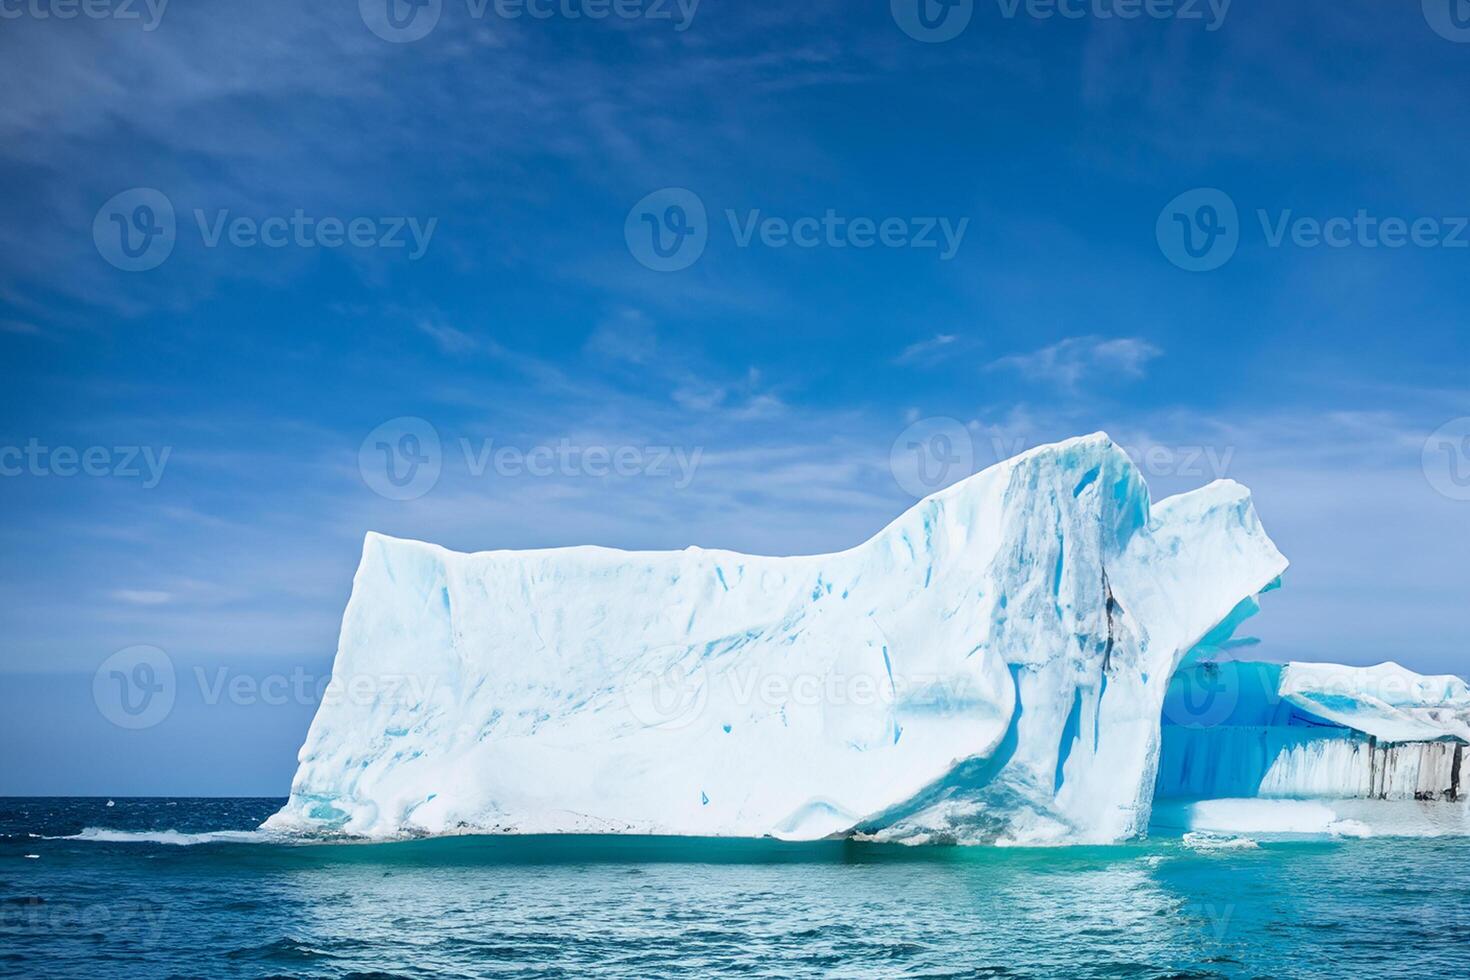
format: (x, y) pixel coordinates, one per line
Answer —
(990, 667)
(1388, 702)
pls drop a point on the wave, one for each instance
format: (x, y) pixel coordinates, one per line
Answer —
(517, 849)
(180, 838)
(1203, 824)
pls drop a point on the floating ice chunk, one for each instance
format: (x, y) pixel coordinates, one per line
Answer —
(1263, 819)
(1204, 841)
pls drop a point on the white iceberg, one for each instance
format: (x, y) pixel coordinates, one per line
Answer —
(990, 667)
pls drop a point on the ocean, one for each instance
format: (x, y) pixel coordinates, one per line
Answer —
(186, 888)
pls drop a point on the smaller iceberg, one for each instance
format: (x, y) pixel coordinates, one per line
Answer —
(1312, 748)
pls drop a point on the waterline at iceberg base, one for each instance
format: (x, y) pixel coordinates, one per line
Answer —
(994, 666)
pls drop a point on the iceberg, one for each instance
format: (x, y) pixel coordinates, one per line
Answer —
(1313, 731)
(991, 667)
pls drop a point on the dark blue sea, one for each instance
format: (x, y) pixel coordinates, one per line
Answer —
(160, 888)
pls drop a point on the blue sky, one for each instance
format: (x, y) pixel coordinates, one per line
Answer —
(1052, 148)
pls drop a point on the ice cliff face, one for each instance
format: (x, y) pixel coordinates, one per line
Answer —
(992, 666)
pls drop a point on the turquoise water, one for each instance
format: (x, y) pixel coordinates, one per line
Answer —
(642, 907)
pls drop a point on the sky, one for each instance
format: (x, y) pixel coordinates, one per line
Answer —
(647, 274)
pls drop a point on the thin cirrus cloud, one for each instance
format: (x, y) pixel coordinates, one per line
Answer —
(928, 352)
(1068, 362)
(142, 597)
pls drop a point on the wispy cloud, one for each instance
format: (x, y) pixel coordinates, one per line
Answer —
(926, 352)
(746, 399)
(142, 597)
(628, 336)
(1067, 363)
(450, 340)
